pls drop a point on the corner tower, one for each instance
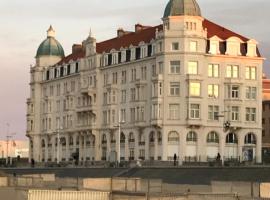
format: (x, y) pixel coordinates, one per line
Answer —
(50, 51)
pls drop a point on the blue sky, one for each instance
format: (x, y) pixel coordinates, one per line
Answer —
(24, 25)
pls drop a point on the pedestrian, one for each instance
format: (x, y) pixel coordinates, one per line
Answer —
(218, 157)
(174, 159)
(32, 163)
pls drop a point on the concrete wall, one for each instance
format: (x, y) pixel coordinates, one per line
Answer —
(241, 188)
(65, 195)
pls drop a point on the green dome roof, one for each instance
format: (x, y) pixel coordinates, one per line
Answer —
(182, 7)
(50, 46)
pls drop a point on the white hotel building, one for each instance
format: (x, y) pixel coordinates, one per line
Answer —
(172, 86)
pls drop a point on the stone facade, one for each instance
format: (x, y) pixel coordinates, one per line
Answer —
(150, 94)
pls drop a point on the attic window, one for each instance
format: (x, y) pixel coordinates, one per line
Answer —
(61, 71)
(47, 75)
(68, 70)
(77, 67)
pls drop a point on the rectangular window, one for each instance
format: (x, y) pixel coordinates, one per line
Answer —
(175, 46)
(123, 115)
(251, 73)
(154, 70)
(124, 77)
(232, 71)
(233, 91)
(132, 114)
(143, 73)
(213, 91)
(251, 93)
(175, 89)
(194, 111)
(123, 96)
(235, 113)
(213, 112)
(160, 68)
(250, 114)
(132, 94)
(193, 67)
(195, 89)
(193, 46)
(213, 70)
(174, 111)
(175, 67)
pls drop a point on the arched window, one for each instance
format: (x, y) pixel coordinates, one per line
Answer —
(77, 140)
(192, 136)
(43, 143)
(63, 141)
(70, 140)
(250, 138)
(113, 138)
(104, 139)
(56, 141)
(142, 139)
(122, 138)
(212, 137)
(152, 137)
(231, 138)
(159, 137)
(173, 137)
(131, 137)
(88, 142)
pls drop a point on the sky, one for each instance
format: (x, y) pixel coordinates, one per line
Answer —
(23, 26)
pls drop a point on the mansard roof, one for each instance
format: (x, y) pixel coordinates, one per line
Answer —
(133, 38)
(214, 29)
(72, 57)
(146, 35)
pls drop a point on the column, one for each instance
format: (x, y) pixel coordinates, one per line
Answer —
(222, 146)
(146, 146)
(240, 146)
(53, 149)
(117, 135)
(127, 148)
(156, 146)
(46, 149)
(164, 145)
(97, 145)
(136, 145)
(258, 148)
(108, 146)
(84, 146)
(182, 147)
(67, 148)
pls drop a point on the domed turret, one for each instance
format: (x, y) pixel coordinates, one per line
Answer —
(50, 46)
(181, 8)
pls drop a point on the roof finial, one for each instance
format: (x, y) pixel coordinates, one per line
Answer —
(50, 32)
(90, 33)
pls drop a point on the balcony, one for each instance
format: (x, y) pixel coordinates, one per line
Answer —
(156, 122)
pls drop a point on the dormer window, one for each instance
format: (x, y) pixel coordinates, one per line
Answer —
(153, 49)
(143, 51)
(233, 46)
(114, 58)
(133, 54)
(105, 60)
(252, 48)
(123, 56)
